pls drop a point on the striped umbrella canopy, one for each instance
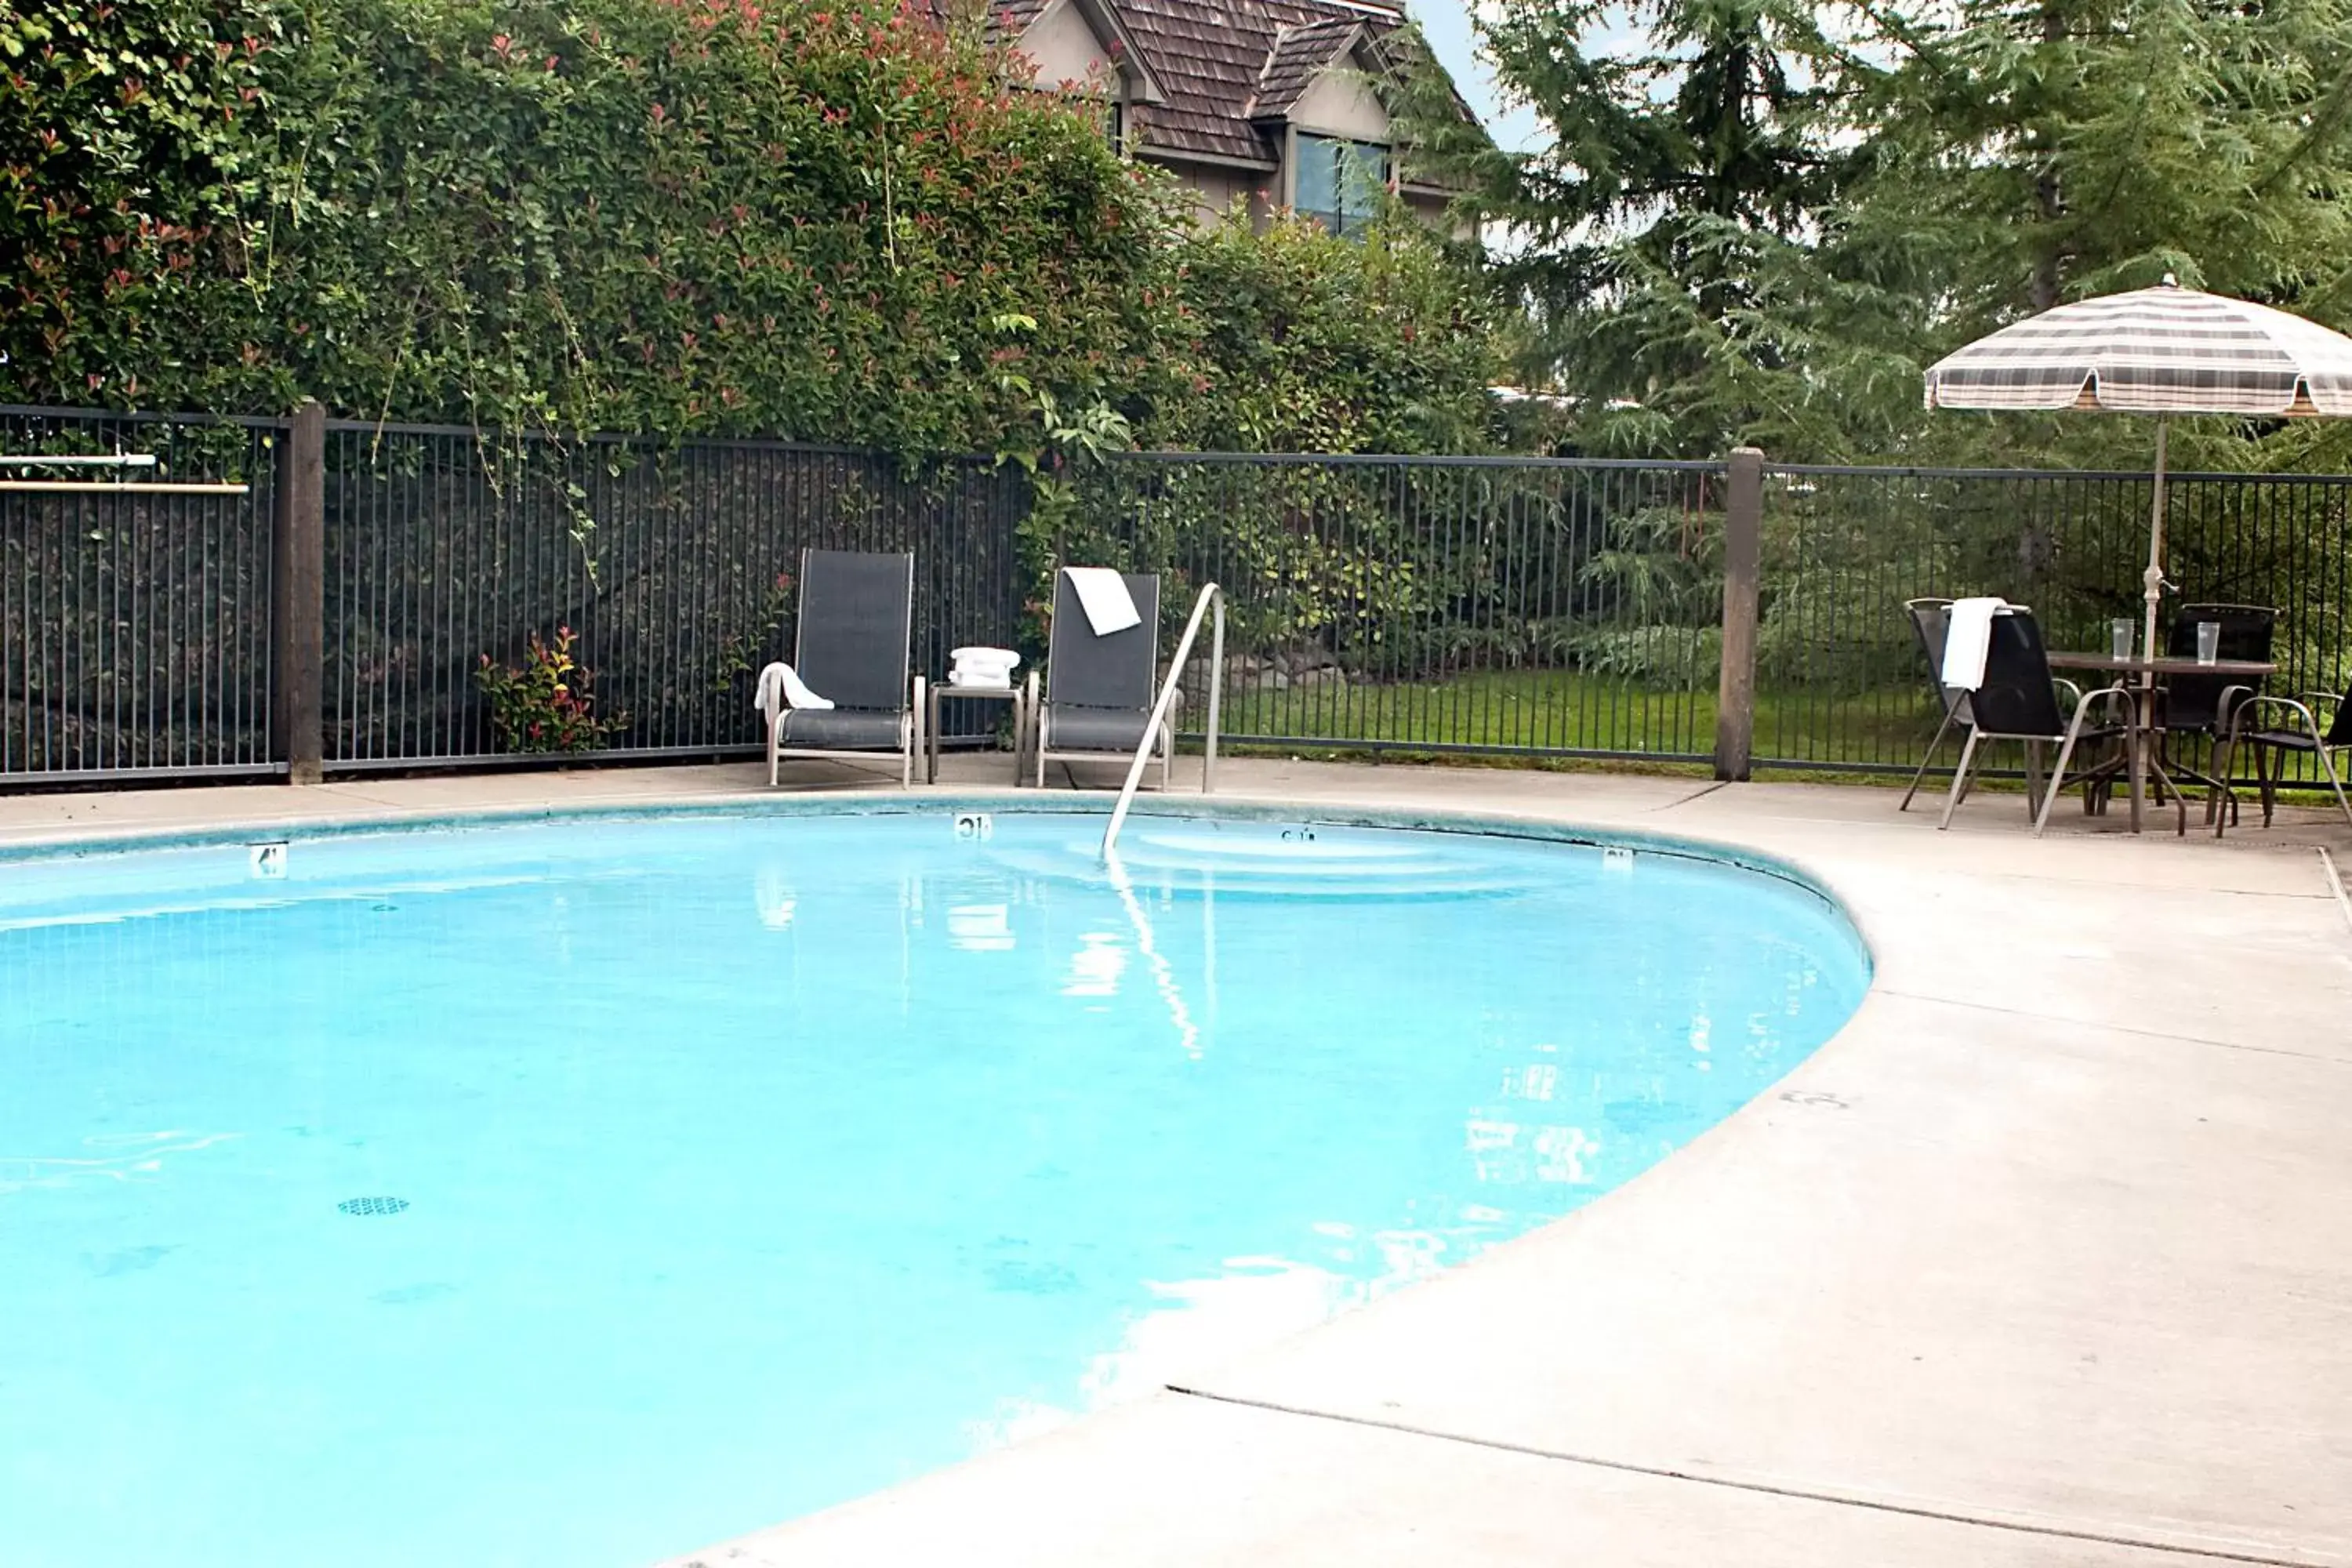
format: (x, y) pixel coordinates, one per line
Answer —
(2161, 351)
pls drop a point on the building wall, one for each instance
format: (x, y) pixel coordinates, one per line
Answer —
(1216, 190)
(1341, 103)
(1435, 212)
(1066, 49)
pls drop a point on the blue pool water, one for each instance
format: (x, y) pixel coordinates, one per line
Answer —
(584, 1192)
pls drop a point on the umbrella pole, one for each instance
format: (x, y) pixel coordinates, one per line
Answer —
(2154, 576)
(2136, 743)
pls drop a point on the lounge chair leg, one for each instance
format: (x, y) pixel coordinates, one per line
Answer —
(2335, 782)
(1933, 747)
(2032, 777)
(2058, 774)
(775, 728)
(2222, 800)
(1959, 782)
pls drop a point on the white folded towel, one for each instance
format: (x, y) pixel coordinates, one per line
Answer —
(780, 688)
(1968, 636)
(1102, 594)
(989, 666)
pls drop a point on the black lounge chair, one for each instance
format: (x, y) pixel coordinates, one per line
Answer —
(2018, 701)
(2205, 704)
(1929, 620)
(852, 644)
(2322, 744)
(1099, 689)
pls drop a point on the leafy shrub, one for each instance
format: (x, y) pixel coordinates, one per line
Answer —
(1836, 630)
(546, 704)
(1304, 341)
(1664, 657)
(802, 219)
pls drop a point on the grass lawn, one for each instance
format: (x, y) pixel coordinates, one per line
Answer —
(1564, 711)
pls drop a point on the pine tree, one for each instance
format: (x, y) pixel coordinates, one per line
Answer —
(1646, 235)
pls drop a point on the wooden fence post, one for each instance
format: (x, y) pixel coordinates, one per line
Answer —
(1743, 527)
(298, 600)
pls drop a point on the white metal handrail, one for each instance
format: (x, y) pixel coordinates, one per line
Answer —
(124, 487)
(1210, 595)
(108, 487)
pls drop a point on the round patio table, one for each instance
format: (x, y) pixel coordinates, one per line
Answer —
(2135, 741)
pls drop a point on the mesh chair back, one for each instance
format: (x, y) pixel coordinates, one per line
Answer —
(2194, 701)
(855, 638)
(2017, 697)
(2339, 728)
(1121, 671)
(1931, 619)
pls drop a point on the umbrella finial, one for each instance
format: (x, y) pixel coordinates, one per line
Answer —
(2170, 281)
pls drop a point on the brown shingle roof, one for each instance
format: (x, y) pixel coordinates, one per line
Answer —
(1299, 55)
(1217, 58)
(1229, 69)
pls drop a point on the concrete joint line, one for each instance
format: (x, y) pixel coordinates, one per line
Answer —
(2060, 1022)
(1766, 1489)
(2335, 883)
(1686, 799)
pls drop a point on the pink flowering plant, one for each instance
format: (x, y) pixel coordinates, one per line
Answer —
(545, 704)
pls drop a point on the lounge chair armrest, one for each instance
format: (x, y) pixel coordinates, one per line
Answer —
(2225, 708)
(2085, 700)
(2256, 704)
(2074, 692)
(2316, 700)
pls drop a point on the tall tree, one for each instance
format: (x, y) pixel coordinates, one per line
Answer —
(1686, 153)
(1754, 224)
(2019, 154)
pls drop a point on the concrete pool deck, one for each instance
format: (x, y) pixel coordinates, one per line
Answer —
(2045, 1258)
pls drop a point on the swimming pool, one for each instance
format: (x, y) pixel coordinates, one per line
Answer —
(585, 1192)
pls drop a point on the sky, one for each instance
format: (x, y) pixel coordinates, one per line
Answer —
(1448, 25)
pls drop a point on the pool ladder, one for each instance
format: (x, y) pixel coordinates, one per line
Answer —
(1211, 597)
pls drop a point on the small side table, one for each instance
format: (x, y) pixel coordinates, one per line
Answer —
(1012, 694)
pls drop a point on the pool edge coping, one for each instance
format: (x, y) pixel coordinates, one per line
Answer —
(74, 845)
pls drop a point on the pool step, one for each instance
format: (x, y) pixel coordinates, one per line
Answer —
(1285, 862)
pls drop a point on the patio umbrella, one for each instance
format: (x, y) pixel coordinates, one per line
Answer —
(2161, 351)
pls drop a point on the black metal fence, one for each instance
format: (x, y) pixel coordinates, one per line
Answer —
(673, 565)
(1840, 680)
(1542, 608)
(1523, 607)
(135, 630)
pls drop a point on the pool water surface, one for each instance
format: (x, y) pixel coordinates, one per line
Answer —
(583, 1193)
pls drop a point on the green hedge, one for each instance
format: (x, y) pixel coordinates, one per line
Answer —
(816, 219)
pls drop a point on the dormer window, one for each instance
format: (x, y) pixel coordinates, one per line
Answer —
(1340, 182)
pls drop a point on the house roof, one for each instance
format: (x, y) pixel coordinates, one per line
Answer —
(1220, 75)
(1230, 65)
(1300, 53)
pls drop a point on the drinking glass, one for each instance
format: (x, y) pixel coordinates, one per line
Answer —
(2209, 641)
(2119, 638)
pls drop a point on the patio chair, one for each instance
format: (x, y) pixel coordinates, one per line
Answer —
(1099, 689)
(853, 646)
(1930, 619)
(2019, 700)
(2269, 744)
(2204, 704)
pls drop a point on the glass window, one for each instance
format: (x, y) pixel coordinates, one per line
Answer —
(1340, 182)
